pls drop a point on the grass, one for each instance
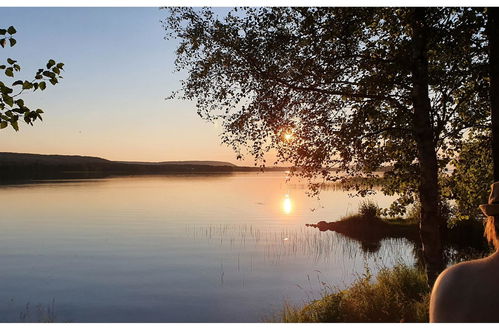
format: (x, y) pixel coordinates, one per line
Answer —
(369, 213)
(369, 210)
(369, 228)
(39, 314)
(401, 221)
(400, 294)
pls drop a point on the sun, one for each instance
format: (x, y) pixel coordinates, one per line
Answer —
(288, 136)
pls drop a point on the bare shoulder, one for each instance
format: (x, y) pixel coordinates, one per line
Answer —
(451, 278)
(460, 272)
(449, 290)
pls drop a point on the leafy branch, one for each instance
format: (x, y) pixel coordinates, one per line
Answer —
(12, 106)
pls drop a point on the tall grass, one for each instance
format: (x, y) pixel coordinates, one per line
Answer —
(39, 313)
(400, 294)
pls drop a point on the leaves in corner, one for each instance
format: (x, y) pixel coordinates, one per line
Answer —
(8, 100)
(50, 64)
(27, 85)
(15, 125)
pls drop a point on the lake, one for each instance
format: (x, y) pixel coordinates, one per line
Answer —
(178, 248)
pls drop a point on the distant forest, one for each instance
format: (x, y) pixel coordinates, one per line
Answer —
(20, 166)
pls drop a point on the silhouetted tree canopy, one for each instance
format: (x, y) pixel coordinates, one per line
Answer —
(346, 90)
(338, 79)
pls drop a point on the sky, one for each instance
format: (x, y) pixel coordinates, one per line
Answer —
(119, 70)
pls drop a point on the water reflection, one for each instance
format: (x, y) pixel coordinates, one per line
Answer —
(287, 204)
(278, 245)
(117, 249)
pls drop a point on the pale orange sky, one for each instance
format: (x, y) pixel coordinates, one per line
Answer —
(111, 102)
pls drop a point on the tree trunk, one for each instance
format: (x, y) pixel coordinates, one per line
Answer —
(429, 195)
(493, 35)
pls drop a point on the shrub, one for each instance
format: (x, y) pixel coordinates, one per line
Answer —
(369, 209)
(400, 294)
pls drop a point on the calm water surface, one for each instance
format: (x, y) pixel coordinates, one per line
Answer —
(196, 248)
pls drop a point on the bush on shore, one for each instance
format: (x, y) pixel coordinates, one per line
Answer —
(369, 209)
(400, 294)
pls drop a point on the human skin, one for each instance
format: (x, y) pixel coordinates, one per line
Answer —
(467, 292)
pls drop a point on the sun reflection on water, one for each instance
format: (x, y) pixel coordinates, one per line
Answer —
(287, 204)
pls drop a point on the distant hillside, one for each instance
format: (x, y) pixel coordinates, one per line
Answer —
(200, 162)
(14, 166)
(13, 157)
(186, 162)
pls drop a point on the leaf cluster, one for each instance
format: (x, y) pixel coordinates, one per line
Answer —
(12, 105)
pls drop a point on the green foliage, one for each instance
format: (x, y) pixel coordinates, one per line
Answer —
(400, 294)
(413, 213)
(338, 79)
(12, 106)
(469, 184)
(369, 209)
